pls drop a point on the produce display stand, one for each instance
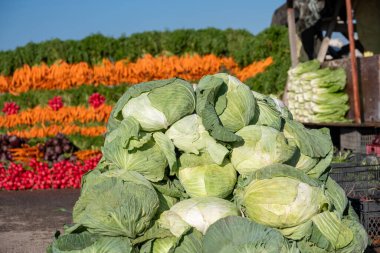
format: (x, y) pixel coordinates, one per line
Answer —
(361, 182)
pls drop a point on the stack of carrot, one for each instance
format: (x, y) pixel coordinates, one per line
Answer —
(62, 75)
(66, 115)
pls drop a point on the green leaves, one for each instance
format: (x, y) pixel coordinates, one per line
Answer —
(240, 235)
(116, 205)
(233, 101)
(201, 177)
(189, 135)
(90, 243)
(167, 179)
(262, 146)
(144, 102)
(198, 212)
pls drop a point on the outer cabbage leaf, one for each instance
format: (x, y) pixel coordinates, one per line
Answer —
(240, 104)
(189, 135)
(190, 242)
(201, 177)
(337, 196)
(321, 169)
(88, 243)
(150, 118)
(280, 106)
(166, 202)
(240, 235)
(311, 142)
(297, 232)
(164, 245)
(179, 100)
(360, 239)
(167, 147)
(150, 159)
(171, 188)
(315, 146)
(266, 112)
(262, 146)
(225, 106)
(332, 227)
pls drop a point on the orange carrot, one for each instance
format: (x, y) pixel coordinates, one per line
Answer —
(62, 75)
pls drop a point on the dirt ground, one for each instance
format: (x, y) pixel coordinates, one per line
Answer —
(29, 219)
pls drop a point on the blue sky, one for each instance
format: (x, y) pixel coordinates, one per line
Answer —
(22, 21)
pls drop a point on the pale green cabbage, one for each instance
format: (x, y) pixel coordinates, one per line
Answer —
(145, 103)
(262, 146)
(201, 177)
(163, 245)
(199, 213)
(279, 196)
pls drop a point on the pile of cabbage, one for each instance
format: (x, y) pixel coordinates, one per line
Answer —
(216, 169)
(316, 94)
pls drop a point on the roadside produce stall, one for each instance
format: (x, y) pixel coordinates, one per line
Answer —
(163, 167)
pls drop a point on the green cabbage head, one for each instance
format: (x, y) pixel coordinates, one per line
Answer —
(199, 213)
(134, 150)
(280, 196)
(201, 177)
(156, 104)
(262, 146)
(110, 204)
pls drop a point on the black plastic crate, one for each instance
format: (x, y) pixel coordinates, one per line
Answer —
(358, 181)
(369, 214)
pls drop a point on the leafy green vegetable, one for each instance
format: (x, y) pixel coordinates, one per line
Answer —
(332, 227)
(143, 152)
(269, 112)
(316, 95)
(90, 243)
(116, 205)
(315, 147)
(225, 105)
(280, 201)
(201, 177)
(198, 212)
(262, 146)
(189, 135)
(163, 245)
(174, 181)
(144, 102)
(240, 235)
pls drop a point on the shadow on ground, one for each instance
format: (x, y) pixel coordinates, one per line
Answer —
(29, 219)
